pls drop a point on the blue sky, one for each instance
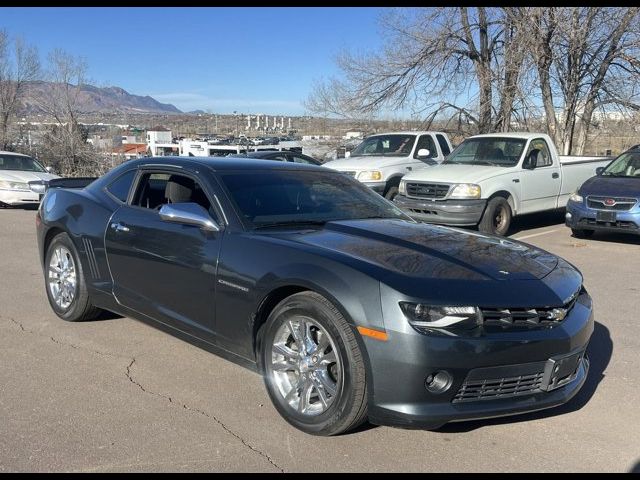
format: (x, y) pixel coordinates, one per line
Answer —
(253, 60)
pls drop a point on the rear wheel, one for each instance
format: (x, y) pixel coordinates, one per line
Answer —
(65, 283)
(313, 367)
(496, 218)
(579, 233)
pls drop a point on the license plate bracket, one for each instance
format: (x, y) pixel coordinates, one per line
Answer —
(561, 370)
(605, 216)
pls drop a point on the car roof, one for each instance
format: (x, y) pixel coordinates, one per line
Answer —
(3, 152)
(226, 163)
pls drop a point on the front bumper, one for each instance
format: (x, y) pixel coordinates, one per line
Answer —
(19, 197)
(581, 217)
(401, 398)
(444, 212)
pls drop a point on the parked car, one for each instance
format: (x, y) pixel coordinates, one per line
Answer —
(16, 171)
(347, 307)
(489, 179)
(610, 201)
(284, 156)
(381, 160)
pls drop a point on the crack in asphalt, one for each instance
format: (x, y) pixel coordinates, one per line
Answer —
(60, 342)
(141, 387)
(203, 413)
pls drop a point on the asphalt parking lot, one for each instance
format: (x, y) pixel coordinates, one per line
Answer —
(118, 395)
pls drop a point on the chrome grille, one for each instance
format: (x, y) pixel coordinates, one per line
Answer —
(427, 190)
(491, 389)
(621, 204)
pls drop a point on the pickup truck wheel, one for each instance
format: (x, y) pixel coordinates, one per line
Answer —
(391, 193)
(496, 218)
(582, 233)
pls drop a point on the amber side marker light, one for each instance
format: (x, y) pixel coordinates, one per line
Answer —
(370, 332)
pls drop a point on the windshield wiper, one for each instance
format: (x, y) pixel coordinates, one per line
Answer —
(290, 223)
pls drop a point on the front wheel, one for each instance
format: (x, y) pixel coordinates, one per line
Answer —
(313, 367)
(496, 218)
(391, 193)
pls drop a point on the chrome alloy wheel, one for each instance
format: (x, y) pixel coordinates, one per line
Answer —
(62, 277)
(304, 366)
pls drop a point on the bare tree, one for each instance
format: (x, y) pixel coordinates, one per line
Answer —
(18, 66)
(65, 144)
(436, 60)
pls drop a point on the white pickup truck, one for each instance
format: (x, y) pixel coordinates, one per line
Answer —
(488, 179)
(382, 159)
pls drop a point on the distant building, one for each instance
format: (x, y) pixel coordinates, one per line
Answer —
(349, 135)
(130, 150)
(160, 142)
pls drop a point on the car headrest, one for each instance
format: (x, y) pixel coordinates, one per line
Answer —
(179, 189)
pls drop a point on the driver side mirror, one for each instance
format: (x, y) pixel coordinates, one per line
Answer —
(424, 153)
(531, 160)
(599, 170)
(188, 213)
(49, 169)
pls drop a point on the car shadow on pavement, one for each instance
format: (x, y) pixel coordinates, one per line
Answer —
(599, 352)
(635, 468)
(106, 315)
(537, 220)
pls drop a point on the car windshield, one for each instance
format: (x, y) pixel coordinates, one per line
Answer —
(493, 151)
(626, 165)
(19, 162)
(396, 145)
(286, 197)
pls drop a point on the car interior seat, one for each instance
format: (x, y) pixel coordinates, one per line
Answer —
(179, 189)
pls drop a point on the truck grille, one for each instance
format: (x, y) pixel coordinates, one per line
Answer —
(427, 190)
(491, 389)
(620, 204)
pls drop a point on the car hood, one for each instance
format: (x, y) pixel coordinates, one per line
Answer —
(428, 251)
(24, 176)
(455, 173)
(612, 186)
(365, 163)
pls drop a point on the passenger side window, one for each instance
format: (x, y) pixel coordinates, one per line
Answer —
(444, 146)
(157, 189)
(120, 187)
(425, 141)
(544, 157)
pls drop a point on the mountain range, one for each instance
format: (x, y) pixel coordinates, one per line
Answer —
(94, 99)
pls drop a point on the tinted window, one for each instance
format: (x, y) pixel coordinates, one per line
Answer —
(157, 189)
(300, 159)
(119, 188)
(286, 196)
(444, 146)
(495, 151)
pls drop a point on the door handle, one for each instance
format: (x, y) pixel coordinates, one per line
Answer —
(516, 180)
(555, 175)
(119, 227)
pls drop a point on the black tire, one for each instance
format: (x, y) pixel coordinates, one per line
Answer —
(349, 405)
(582, 233)
(391, 193)
(80, 308)
(496, 218)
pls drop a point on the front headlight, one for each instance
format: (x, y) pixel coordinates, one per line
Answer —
(424, 317)
(370, 175)
(6, 185)
(402, 189)
(576, 197)
(465, 190)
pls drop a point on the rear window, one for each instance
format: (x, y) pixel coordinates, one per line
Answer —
(120, 187)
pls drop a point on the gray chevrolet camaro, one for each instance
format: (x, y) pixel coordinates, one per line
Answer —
(348, 308)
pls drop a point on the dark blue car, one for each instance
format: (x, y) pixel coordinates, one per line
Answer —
(609, 201)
